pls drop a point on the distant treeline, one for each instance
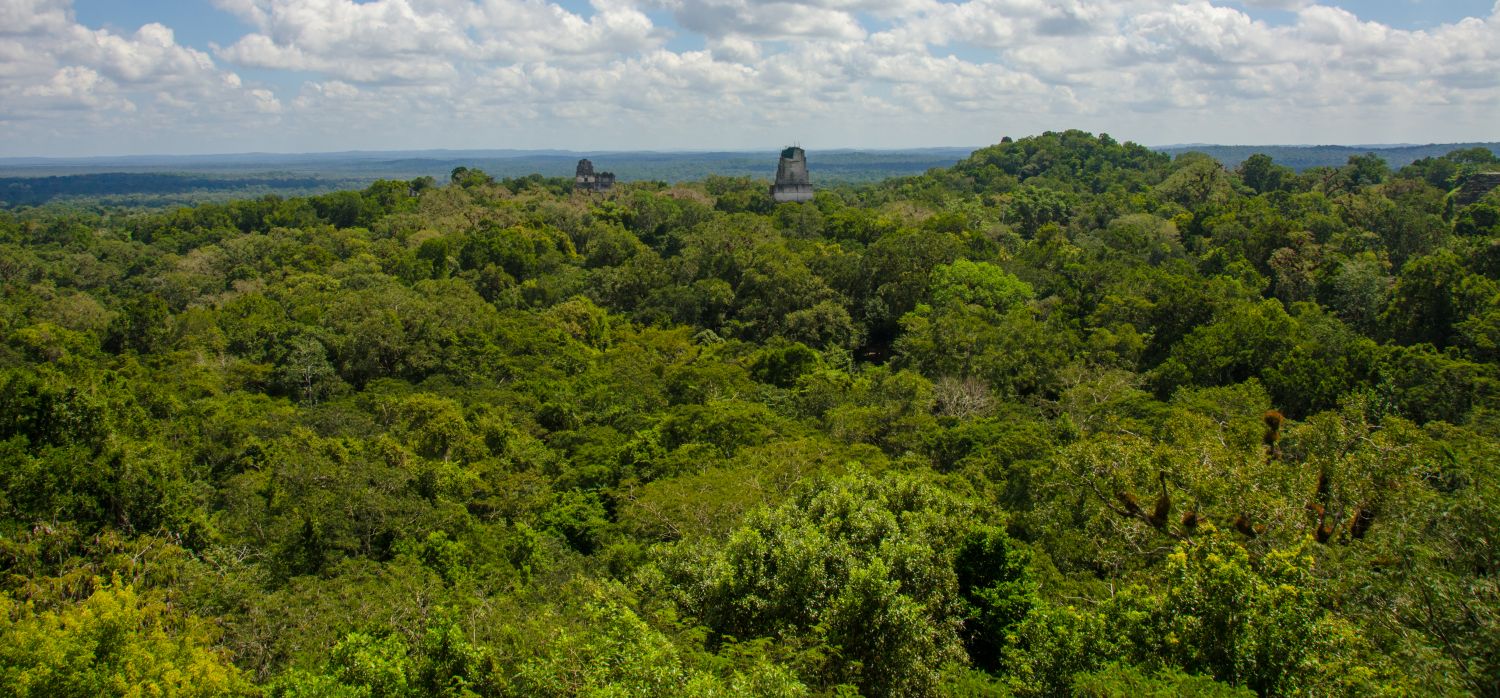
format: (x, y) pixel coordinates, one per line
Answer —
(164, 189)
(1301, 158)
(828, 167)
(199, 180)
(33, 191)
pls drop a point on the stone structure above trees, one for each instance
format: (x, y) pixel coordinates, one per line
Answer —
(584, 179)
(1476, 186)
(792, 183)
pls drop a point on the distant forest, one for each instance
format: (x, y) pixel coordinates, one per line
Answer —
(171, 181)
(1300, 158)
(153, 189)
(165, 181)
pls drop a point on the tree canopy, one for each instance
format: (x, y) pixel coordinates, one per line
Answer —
(1071, 417)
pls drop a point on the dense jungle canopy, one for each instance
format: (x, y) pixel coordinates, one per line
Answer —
(1071, 417)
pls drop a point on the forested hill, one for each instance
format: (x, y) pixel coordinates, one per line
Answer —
(1071, 417)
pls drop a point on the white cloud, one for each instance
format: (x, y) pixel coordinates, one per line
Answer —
(768, 20)
(150, 55)
(56, 74)
(76, 87)
(386, 40)
(529, 30)
(735, 49)
(532, 73)
(23, 17)
(422, 40)
(1278, 4)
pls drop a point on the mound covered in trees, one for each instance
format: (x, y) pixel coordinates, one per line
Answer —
(1070, 417)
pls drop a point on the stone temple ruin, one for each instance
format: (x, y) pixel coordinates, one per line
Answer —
(584, 178)
(792, 183)
(1476, 186)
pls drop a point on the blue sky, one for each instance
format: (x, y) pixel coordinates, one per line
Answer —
(85, 77)
(199, 22)
(196, 22)
(1399, 14)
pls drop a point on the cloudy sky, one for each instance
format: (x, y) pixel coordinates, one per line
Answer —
(100, 77)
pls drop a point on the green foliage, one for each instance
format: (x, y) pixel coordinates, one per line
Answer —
(855, 572)
(1238, 345)
(1070, 417)
(1245, 626)
(997, 590)
(377, 665)
(1431, 295)
(1124, 681)
(783, 365)
(1260, 173)
(1144, 236)
(1054, 646)
(1030, 208)
(978, 283)
(115, 642)
(1197, 182)
(1069, 159)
